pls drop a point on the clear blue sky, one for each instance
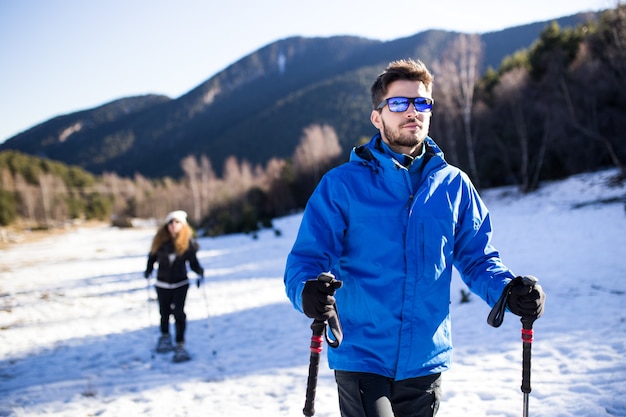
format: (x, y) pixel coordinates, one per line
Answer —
(61, 56)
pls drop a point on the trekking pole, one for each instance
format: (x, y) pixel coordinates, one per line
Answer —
(495, 318)
(149, 312)
(208, 314)
(527, 340)
(318, 328)
(316, 349)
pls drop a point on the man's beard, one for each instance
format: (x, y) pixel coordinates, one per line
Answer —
(399, 138)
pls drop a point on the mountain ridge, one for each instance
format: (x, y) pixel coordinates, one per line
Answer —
(254, 109)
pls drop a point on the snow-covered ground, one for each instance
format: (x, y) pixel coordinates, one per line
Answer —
(77, 329)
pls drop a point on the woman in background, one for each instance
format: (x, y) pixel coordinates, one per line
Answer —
(173, 247)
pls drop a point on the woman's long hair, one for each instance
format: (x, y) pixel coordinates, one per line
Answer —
(181, 241)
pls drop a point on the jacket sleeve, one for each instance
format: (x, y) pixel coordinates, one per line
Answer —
(318, 244)
(477, 260)
(194, 264)
(150, 265)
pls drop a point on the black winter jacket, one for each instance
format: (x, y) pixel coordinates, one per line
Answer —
(174, 271)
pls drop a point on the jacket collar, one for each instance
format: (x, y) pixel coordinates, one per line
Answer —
(373, 153)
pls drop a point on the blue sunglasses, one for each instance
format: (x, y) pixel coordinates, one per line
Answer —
(401, 104)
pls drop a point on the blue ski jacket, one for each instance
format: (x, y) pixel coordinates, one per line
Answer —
(394, 246)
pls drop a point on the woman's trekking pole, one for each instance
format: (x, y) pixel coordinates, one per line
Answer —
(149, 300)
(209, 320)
(318, 328)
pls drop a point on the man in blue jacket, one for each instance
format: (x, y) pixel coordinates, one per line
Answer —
(389, 225)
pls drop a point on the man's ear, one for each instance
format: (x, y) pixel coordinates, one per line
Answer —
(376, 119)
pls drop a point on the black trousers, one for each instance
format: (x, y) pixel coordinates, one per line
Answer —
(172, 302)
(370, 395)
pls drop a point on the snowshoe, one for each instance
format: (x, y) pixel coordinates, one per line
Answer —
(180, 354)
(164, 344)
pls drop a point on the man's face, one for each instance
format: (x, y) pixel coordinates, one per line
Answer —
(405, 131)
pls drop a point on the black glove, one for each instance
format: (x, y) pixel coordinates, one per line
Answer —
(199, 281)
(318, 301)
(524, 299)
(146, 274)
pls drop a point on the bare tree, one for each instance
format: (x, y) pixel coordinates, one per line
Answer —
(277, 185)
(147, 200)
(193, 175)
(614, 37)
(446, 112)
(461, 62)
(592, 132)
(118, 189)
(233, 179)
(318, 147)
(46, 185)
(7, 181)
(508, 93)
(27, 197)
(208, 181)
(247, 176)
(601, 63)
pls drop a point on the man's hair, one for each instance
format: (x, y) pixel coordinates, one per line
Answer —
(403, 69)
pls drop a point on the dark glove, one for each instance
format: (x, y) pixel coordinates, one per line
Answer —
(146, 274)
(199, 281)
(524, 299)
(318, 301)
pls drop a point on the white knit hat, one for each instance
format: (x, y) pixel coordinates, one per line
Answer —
(179, 215)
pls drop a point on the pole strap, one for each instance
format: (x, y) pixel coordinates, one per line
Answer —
(335, 328)
(333, 322)
(496, 315)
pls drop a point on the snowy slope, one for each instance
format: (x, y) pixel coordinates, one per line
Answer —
(77, 329)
